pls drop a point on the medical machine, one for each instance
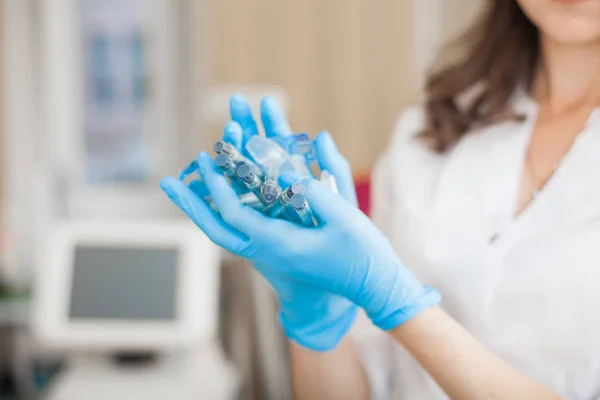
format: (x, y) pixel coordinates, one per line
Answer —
(135, 306)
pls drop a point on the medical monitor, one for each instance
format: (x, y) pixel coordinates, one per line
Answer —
(126, 286)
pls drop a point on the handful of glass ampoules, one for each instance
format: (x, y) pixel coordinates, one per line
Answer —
(256, 180)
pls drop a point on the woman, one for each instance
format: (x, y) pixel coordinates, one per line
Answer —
(489, 193)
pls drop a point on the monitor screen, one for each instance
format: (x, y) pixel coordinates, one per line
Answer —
(116, 283)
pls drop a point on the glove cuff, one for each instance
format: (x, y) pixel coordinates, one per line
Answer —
(320, 334)
(392, 317)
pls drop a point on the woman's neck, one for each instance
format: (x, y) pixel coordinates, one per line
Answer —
(568, 76)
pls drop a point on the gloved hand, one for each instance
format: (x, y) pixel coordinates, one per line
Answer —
(346, 255)
(310, 316)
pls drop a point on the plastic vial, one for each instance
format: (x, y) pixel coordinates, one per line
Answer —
(225, 148)
(270, 192)
(267, 153)
(247, 173)
(300, 205)
(283, 201)
(295, 164)
(302, 144)
(226, 164)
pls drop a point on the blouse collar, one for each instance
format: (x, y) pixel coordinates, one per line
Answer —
(522, 103)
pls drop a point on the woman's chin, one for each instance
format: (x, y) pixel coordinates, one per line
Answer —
(572, 30)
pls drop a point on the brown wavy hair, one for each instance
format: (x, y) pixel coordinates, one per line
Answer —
(499, 53)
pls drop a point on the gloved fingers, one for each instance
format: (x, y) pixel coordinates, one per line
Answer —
(189, 170)
(320, 197)
(274, 119)
(199, 188)
(331, 160)
(233, 134)
(202, 215)
(242, 114)
(287, 179)
(326, 205)
(244, 219)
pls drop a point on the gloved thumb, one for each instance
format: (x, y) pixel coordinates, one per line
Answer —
(326, 205)
(288, 178)
(233, 134)
(331, 160)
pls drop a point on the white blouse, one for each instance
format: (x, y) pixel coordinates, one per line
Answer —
(527, 286)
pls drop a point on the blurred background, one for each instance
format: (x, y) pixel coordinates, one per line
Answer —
(101, 98)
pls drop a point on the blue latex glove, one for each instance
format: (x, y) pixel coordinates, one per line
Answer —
(310, 316)
(346, 255)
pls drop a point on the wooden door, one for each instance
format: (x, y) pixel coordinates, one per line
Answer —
(347, 64)
(458, 15)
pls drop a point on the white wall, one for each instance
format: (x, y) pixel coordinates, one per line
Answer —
(21, 145)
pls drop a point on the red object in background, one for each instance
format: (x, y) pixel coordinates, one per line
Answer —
(363, 193)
